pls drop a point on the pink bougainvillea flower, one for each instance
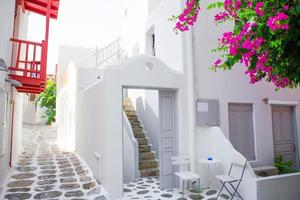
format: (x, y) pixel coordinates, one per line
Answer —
(249, 4)
(188, 17)
(221, 16)
(277, 22)
(217, 62)
(259, 8)
(286, 7)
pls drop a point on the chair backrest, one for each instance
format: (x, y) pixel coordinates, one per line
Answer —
(181, 161)
(238, 167)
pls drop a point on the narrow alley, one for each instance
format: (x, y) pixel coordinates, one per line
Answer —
(44, 171)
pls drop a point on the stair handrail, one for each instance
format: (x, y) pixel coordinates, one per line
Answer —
(134, 142)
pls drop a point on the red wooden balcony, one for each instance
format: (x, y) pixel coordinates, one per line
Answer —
(29, 59)
(30, 65)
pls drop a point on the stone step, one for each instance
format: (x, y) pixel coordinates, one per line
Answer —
(130, 113)
(132, 118)
(146, 156)
(148, 164)
(145, 148)
(139, 134)
(149, 172)
(142, 141)
(127, 107)
(135, 123)
(137, 128)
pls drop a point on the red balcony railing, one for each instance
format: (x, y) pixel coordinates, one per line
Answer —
(29, 59)
(29, 65)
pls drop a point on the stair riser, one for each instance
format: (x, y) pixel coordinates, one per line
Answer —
(132, 118)
(148, 164)
(135, 123)
(142, 141)
(137, 129)
(146, 156)
(139, 135)
(143, 149)
(130, 113)
(149, 173)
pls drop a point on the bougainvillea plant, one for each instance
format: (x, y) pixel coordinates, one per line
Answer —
(265, 37)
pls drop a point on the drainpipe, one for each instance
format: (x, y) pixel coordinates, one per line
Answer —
(11, 132)
(188, 52)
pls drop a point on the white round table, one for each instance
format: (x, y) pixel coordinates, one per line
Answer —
(208, 163)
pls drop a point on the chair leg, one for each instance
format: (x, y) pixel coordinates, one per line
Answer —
(199, 186)
(227, 190)
(173, 183)
(182, 188)
(235, 191)
(188, 185)
(223, 184)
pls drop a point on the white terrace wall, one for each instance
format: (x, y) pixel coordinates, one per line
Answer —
(76, 79)
(99, 112)
(279, 187)
(212, 142)
(233, 87)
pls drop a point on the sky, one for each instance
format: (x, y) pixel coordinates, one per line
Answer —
(88, 23)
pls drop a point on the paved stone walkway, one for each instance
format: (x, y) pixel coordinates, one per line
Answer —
(43, 171)
(149, 189)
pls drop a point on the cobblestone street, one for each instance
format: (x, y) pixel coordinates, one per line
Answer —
(43, 171)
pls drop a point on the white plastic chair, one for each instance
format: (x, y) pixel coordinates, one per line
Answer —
(237, 167)
(186, 175)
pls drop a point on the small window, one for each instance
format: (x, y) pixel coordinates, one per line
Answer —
(241, 129)
(153, 45)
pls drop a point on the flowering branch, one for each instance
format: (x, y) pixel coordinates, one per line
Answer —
(260, 40)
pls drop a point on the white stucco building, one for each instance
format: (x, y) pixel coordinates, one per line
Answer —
(11, 102)
(216, 114)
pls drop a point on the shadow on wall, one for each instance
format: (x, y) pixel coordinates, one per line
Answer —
(149, 118)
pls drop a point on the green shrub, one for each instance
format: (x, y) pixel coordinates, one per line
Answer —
(283, 167)
(47, 100)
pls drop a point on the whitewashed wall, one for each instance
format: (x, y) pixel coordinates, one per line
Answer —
(211, 142)
(71, 54)
(100, 116)
(233, 87)
(130, 153)
(17, 127)
(279, 187)
(7, 11)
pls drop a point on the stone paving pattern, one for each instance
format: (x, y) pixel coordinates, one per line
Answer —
(43, 171)
(149, 189)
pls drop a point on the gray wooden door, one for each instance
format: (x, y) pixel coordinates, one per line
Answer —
(241, 129)
(168, 136)
(283, 133)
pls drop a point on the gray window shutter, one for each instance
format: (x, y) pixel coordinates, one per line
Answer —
(241, 129)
